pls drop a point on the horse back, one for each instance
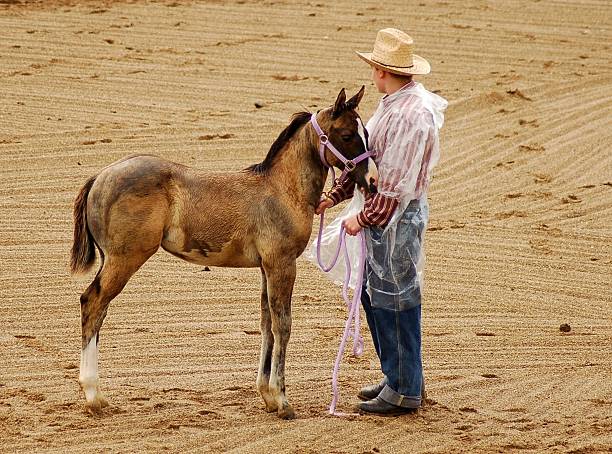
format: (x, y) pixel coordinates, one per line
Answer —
(216, 218)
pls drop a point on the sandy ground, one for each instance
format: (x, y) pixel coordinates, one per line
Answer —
(520, 239)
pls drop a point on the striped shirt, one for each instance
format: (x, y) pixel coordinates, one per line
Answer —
(404, 142)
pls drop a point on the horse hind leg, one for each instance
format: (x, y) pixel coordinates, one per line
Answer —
(267, 342)
(108, 283)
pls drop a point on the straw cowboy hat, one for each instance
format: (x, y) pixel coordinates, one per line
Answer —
(393, 52)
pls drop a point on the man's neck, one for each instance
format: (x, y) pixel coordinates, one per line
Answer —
(394, 85)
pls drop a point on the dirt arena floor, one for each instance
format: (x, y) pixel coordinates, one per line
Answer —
(520, 238)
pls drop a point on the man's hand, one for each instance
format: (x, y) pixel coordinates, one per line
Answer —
(324, 203)
(352, 226)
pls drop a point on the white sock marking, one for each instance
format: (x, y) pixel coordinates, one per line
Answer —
(88, 375)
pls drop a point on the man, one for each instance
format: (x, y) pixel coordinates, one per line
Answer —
(403, 136)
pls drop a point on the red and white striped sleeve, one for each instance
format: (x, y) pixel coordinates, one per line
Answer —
(377, 210)
(342, 190)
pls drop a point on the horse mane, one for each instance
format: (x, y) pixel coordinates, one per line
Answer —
(297, 121)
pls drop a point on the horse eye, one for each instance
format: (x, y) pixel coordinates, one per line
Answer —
(347, 138)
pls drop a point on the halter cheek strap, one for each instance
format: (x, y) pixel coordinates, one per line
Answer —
(349, 164)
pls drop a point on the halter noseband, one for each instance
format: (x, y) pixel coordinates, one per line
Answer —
(349, 164)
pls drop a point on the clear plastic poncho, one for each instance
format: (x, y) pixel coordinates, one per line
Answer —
(404, 140)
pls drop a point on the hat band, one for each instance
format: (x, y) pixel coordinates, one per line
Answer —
(390, 66)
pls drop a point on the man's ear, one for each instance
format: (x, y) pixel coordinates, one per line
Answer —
(339, 104)
(355, 100)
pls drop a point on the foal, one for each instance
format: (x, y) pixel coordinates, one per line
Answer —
(259, 217)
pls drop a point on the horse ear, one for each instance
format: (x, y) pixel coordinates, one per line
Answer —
(339, 105)
(355, 100)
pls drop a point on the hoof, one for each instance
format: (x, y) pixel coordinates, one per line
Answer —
(286, 412)
(271, 406)
(270, 403)
(96, 405)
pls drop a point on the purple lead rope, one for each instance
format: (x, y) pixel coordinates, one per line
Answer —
(353, 306)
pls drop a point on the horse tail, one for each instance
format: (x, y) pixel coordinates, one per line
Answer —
(83, 254)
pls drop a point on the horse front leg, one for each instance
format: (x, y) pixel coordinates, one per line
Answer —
(280, 277)
(267, 342)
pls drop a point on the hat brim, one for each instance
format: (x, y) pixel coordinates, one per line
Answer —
(420, 66)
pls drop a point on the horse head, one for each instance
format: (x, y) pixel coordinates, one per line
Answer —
(345, 131)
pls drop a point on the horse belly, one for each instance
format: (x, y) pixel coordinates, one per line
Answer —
(234, 254)
(231, 254)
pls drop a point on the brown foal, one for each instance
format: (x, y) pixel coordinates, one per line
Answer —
(259, 217)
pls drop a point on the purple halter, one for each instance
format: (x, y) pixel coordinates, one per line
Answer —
(349, 164)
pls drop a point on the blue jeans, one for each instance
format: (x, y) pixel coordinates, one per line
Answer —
(397, 341)
(394, 313)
